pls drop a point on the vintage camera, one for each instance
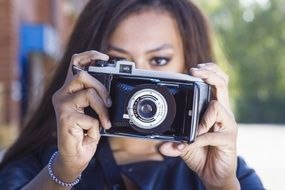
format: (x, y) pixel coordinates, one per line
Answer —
(150, 104)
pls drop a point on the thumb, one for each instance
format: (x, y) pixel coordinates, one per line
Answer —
(172, 149)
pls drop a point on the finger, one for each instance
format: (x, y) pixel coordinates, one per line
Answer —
(73, 125)
(89, 97)
(83, 80)
(214, 68)
(216, 117)
(211, 139)
(209, 77)
(220, 84)
(84, 59)
(83, 121)
(181, 149)
(92, 135)
(172, 149)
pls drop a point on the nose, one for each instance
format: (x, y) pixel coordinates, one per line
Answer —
(142, 64)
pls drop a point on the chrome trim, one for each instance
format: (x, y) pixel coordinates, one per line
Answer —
(194, 119)
(115, 69)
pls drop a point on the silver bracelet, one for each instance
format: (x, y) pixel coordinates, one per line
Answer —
(54, 178)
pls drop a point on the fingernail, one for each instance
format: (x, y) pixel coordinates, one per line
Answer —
(194, 69)
(201, 65)
(109, 125)
(106, 56)
(181, 147)
(109, 102)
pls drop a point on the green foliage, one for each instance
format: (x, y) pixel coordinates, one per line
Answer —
(252, 37)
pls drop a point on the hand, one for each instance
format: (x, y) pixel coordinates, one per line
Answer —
(213, 155)
(78, 134)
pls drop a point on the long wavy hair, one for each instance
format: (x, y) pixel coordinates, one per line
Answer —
(92, 32)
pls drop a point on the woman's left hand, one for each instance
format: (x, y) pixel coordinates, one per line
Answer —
(213, 154)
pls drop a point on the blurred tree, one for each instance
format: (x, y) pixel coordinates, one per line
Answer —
(251, 33)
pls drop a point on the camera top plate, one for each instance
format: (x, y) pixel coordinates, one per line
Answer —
(124, 67)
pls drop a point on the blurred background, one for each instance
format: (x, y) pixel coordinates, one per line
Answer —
(249, 39)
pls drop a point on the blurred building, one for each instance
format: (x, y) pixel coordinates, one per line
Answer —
(33, 35)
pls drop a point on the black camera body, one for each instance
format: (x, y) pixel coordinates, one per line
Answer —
(150, 104)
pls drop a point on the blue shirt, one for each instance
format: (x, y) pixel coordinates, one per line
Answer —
(170, 173)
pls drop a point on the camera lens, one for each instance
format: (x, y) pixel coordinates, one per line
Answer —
(151, 108)
(146, 109)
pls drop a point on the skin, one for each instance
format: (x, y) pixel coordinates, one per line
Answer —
(213, 154)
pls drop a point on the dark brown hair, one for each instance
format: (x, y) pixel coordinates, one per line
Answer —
(92, 31)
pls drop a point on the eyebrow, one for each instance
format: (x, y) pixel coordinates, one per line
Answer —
(159, 48)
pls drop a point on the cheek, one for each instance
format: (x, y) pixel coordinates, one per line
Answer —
(178, 65)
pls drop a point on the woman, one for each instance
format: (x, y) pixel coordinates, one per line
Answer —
(156, 35)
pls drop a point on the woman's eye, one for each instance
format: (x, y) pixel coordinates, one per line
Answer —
(159, 61)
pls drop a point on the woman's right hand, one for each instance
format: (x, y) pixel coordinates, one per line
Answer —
(77, 133)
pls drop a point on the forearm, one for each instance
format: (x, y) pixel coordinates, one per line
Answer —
(44, 182)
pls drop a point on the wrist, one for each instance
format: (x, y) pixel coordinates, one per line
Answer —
(65, 172)
(232, 184)
(72, 164)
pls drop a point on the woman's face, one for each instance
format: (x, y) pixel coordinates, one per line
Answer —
(151, 39)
